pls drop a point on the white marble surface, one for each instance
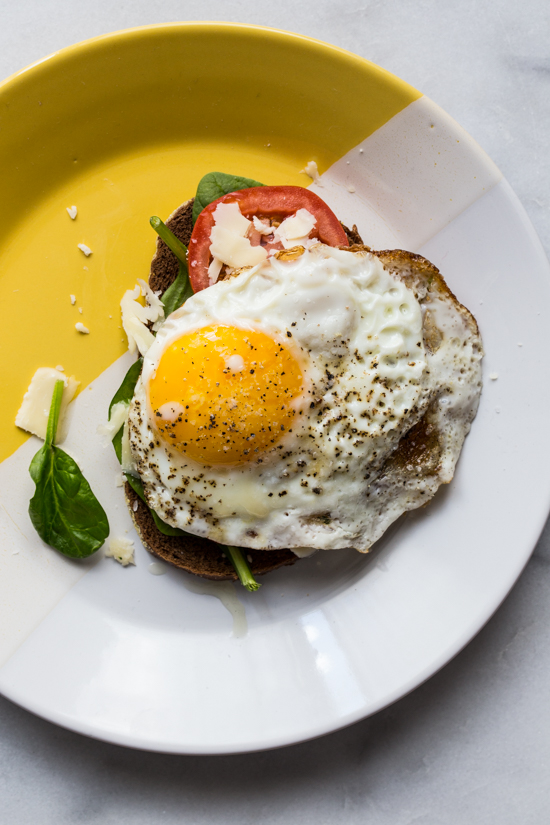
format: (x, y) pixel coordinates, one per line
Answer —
(471, 745)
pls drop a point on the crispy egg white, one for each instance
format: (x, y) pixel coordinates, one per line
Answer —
(269, 403)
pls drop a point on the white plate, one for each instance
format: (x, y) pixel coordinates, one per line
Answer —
(142, 661)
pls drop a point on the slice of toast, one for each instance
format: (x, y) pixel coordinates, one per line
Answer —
(423, 460)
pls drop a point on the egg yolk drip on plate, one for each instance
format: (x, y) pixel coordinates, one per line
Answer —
(224, 395)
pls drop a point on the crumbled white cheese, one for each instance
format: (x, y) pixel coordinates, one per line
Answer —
(35, 409)
(126, 458)
(234, 250)
(81, 328)
(230, 217)
(136, 316)
(155, 307)
(295, 230)
(116, 420)
(493, 376)
(119, 480)
(60, 368)
(214, 270)
(263, 227)
(229, 242)
(351, 188)
(311, 170)
(73, 299)
(80, 310)
(86, 249)
(72, 212)
(121, 550)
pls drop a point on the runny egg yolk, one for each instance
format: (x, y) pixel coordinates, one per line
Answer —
(225, 395)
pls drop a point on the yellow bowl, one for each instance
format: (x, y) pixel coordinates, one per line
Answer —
(124, 126)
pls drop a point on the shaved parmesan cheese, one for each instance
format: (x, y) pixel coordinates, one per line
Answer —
(296, 229)
(230, 217)
(116, 420)
(229, 242)
(81, 328)
(86, 249)
(139, 336)
(263, 227)
(214, 270)
(155, 307)
(121, 550)
(312, 172)
(126, 459)
(72, 212)
(35, 409)
(136, 316)
(234, 250)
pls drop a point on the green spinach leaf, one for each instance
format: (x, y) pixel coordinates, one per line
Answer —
(178, 292)
(215, 185)
(237, 559)
(124, 395)
(125, 392)
(64, 511)
(162, 526)
(174, 244)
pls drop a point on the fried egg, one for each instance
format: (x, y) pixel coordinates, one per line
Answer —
(270, 403)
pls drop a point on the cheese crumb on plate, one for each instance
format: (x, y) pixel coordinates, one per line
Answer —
(35, 409)
(311, 170)
(121, 550)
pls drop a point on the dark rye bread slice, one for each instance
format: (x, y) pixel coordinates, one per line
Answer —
(417, 456)
(194, 554)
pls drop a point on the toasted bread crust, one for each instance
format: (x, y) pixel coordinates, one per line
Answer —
(423, 278)
(417, 459)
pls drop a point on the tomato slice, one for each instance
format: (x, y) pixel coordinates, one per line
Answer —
(265, 202)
